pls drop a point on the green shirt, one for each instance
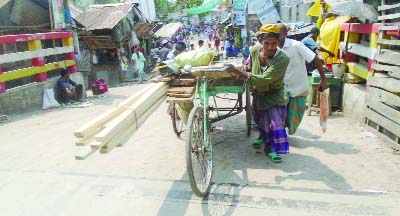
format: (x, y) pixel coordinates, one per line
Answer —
(267, 85)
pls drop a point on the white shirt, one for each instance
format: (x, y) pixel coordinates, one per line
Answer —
(296, 80)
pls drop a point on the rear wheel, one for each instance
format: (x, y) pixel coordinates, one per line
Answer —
(198, 156)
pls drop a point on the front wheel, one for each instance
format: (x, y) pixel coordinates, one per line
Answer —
(198, 153)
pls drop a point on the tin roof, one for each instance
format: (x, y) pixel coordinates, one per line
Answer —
(3, 2)
(104, 16)
(146, 30)
(28, 13)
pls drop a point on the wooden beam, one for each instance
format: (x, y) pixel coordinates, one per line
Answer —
(383, 96)
(388, 57)
(84, 152)
(20, 56)
(131, 114)
(384, 110)
(394, 71)
(383, 121)
(96, 124)
(387, 7)
(389, 84)
(124, 137)
(389, 17)
(389, 42)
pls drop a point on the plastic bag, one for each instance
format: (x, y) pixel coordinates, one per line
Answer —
(99, 87)
(48, 99)
(195, 58)
(324, 109)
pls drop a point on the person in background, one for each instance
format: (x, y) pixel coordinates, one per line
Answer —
(192, 47)
(296, 79)
(67, 89)
(201, 44)
(165, 49)
(138, 61)
(217, 43)
(180, 47)
(310, 42)
(268, 64)
(209, 46)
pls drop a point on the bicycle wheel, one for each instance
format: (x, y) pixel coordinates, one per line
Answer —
(177, 123)
(248, 111)
(198, 156)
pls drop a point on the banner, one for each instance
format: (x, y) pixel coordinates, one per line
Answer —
(240, 17)
(58, 14)
(265, 11)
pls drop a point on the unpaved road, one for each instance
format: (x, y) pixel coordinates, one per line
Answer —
(346, 171)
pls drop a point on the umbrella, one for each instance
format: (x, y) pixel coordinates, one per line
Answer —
(353, 8)
(169, 30)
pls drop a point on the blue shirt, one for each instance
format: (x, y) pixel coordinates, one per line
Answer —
(310, 43)
(65, 84)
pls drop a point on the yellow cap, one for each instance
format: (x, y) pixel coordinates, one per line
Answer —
(270, 28)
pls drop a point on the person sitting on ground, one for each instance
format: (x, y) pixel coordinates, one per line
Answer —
(67, 89)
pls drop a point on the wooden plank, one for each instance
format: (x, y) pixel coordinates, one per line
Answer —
(390, 27)
(389, 17)
(20, 56)
(180, 100)
(183, 90)
(390, 84)
(95, 125)
(394, 71)
(389, 42)
(133, 112)
(388, 57)
(84, 152)
(179, 95)
(383, 96)
(127, 133)
(383, 121)
(384, 110)
(30, 71)
(387, 7)
(359, 49)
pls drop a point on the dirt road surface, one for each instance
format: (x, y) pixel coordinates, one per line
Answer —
(346, 171)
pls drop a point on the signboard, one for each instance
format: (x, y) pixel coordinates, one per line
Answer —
(58, 14)
(240, 17)
(265, 11)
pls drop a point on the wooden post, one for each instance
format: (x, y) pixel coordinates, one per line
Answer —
(37, 62)
(2, 84)
(71, 55)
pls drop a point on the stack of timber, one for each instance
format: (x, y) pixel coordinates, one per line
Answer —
(115, 127)
(383, 92)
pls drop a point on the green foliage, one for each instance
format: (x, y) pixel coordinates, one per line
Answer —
(163, 7)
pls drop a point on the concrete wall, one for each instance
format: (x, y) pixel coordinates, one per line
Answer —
(29, 98)
(354, 101)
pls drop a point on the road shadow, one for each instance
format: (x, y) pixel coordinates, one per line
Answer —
(233, 152)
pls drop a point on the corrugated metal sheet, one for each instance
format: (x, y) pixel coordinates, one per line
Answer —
(75, 11)
(28, 13)
(3, 2)
(104, 17)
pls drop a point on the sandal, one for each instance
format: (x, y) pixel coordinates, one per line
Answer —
(257, 143)
(275, 157)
